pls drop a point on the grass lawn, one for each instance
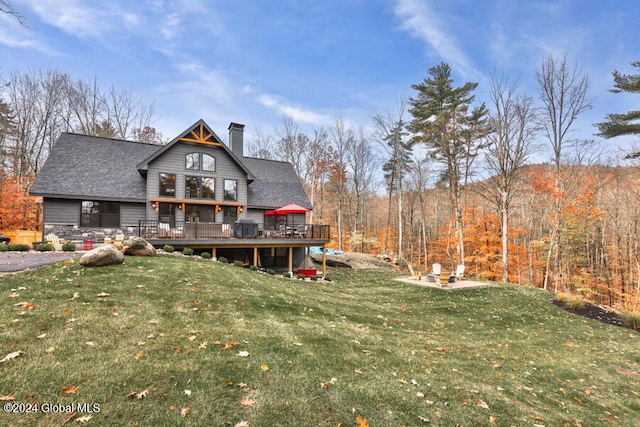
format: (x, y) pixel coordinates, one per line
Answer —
(184, 341)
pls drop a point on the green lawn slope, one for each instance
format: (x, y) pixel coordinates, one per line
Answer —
(169, 341)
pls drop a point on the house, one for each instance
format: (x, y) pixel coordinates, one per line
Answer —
(193, 192)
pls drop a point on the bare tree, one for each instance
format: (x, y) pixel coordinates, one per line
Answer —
(509, 145)
(563, 95)
(362, 164)
(8, 8)
(261, 146)
(390, 131)
(341, 137)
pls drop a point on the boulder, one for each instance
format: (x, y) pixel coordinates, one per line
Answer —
(137, 246)
(103, 255)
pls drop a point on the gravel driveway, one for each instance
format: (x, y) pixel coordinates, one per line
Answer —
(11, 262)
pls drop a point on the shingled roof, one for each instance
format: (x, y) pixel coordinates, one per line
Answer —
(276, 184)
(86, 167)
(89, 167)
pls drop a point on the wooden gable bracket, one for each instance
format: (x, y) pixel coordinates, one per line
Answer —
(201, 137)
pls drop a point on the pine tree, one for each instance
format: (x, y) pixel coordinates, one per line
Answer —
(626, 123)
(444, 121)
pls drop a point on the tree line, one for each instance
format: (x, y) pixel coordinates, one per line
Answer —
(438, 178)
(458, 185)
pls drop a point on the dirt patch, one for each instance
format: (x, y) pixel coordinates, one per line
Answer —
(634, 375)
(596, 313)
(354, 260)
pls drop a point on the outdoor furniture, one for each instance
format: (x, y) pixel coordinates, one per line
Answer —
(460, 272)
(435, 273)
(54, 241)
(119, 241)
(300, 231)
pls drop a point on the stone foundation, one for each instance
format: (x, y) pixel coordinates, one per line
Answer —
(75, 234)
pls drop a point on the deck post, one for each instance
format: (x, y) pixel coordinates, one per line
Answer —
(291, 260)
(324, 261)
(213, 254)
(256, 258)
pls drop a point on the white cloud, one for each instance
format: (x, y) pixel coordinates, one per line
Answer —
(72, 16)
(297, 114)
(424, 23)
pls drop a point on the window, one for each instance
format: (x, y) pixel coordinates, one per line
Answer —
(230, 189)
(99, 214)
(208, 188)
(168, 184)
(200, 188)
(192, 161)
(192, 187)
(200, 161)
(208, 163)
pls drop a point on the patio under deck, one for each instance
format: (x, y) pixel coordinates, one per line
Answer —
(213, 236)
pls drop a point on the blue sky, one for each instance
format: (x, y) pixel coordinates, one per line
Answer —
(252, 61)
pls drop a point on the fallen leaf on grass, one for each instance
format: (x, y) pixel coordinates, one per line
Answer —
(41, 336)
(50, 350)
(229, 346)
(242, 424)
(264, 367)
(246, 401)
(71, 389)
(144, 393)
(83, 419)
(13, 294)
(187, 392)
(357, 371)
(139, 356)
(7, 398)
(102, 295)
(90, 343)
(12, 355)
(482, 404)
(69, 417)
(361, 422)
(244, 354)
(27, 305)
(423, 419)
(185, 411)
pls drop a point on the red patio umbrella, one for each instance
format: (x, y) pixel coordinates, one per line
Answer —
(291, 208)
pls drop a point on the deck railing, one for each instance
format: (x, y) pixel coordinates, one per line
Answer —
(153, 229)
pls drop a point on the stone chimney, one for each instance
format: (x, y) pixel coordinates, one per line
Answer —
(236, 143)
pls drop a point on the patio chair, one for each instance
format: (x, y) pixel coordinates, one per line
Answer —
(435, 273)
(119, 241)
(460, 272)
(54, 241)
(301, 231)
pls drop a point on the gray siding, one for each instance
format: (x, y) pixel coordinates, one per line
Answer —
(61, 211)
(131, 213)
(173, 161)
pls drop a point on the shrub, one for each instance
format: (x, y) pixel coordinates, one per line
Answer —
(300, 277)
(187, 251)
(253, 267)
(562, 297)
(287, 274)
(237, 263)
(3, 247)
(314, 278)
(19, 247)
(271, 271)
(223, 260)
(44, 247)
(326, 279)
(69, 247)
(168, 248)
(205, 255)
(575, 302)
(632, 320)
